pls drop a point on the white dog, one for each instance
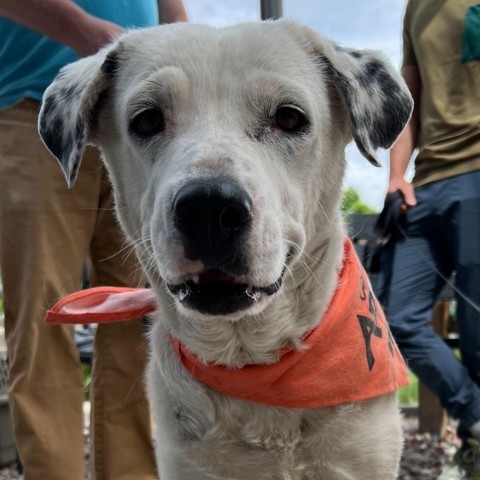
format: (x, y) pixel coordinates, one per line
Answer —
(225, 148)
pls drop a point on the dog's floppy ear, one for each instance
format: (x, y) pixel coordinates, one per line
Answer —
(377, 98)
(68, 107)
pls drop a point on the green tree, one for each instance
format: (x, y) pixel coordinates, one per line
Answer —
(352, 203)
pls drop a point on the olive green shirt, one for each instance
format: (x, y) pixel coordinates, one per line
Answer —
(442, 38)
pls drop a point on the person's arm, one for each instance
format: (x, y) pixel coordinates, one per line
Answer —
(402, 150)
(63, 21)
(171, 11)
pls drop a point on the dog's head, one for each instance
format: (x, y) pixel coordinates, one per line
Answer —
(225, 148)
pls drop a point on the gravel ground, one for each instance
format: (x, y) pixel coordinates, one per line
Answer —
(423, 459)
(424, 456)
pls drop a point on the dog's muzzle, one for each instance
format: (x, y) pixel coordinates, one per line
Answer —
(214, 218)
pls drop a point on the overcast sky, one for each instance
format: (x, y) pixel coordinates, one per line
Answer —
(360, 24)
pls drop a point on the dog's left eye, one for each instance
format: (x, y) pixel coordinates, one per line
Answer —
(289, 119)
(148, 123)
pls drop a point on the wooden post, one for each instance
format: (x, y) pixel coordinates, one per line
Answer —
(432, 418)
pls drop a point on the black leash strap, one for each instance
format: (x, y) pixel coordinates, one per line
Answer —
(389, 221)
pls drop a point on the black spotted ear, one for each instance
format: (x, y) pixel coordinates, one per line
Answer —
(377, 99)
(68, 108)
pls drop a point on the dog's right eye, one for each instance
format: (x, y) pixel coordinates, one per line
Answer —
(290, 119)
(148, 123)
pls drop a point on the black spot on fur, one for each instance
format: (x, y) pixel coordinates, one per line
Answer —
(342, 83)
(372, 75)
(387, 121)
(374, 68)
(53, 137)
(79, 132)
(61, 74)
(353, 53)
(67, 94)
(187, 426)
(74, 171)
(379, 122)
(48, 107)
(110, 65)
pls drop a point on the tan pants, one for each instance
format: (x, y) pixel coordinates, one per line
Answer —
(46, 234)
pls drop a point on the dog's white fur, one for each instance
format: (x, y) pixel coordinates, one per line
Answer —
(218, 90)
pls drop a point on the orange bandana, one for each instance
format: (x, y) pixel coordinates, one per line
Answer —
(350, 356)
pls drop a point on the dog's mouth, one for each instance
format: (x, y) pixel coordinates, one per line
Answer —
(214, 292)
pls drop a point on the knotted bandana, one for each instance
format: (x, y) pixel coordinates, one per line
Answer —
(350, 356)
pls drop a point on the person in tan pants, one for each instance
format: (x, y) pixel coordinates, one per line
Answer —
(47, 233)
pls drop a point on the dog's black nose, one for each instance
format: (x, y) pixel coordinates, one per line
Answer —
(213, 216)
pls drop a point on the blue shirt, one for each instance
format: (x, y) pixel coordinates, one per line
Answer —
(29, 61)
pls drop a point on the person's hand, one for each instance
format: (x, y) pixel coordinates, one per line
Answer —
(95, 34)
(406, 190)
(172, 11)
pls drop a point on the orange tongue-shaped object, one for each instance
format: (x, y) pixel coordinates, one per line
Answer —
(102, 305)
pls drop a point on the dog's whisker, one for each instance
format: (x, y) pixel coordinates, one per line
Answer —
(135, 383)
(126, 248)
(309, 268)
(257, 320)
(301, 251)
(332, 228)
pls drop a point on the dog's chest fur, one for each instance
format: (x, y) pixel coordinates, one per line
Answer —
(233, 439)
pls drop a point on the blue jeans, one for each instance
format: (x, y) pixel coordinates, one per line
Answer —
(442, 235)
